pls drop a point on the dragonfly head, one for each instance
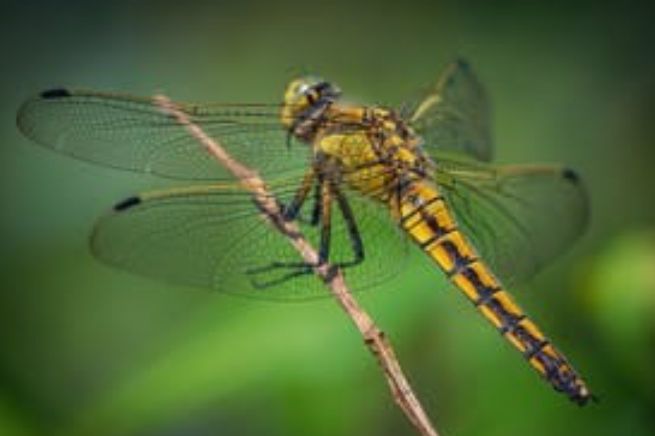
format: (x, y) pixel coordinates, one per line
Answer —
(305, 98)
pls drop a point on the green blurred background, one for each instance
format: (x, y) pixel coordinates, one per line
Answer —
(85, 349)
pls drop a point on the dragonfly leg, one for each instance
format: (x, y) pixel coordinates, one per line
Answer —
(300, 270)
(326, 194)
(318, 206)
(326, 191)
(353, 231)
(291, 210)
(321, 213)
(329, 192)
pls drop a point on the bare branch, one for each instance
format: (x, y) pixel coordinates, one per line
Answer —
(374, 338)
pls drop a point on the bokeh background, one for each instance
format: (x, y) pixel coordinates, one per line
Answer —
(85, 349)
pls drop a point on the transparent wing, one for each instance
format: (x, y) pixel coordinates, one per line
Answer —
(214, 237)
(454, 115)
(133, 133)
(518, 217)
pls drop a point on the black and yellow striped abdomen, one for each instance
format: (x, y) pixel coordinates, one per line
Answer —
(424, 214)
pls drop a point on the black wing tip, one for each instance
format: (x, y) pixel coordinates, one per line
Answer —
(55, 93)
(127, 203)
(571, 175)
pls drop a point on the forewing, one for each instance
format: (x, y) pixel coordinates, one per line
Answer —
(214, 237)
(134, 133)
(454, 115)
(518, 217)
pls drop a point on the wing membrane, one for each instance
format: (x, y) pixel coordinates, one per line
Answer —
(454, 115)
(214, 237)
(133, 133)
(519, 217)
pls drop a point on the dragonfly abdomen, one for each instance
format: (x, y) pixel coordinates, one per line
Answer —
(426, 217)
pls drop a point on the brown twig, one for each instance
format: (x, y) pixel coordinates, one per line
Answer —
(374, 338)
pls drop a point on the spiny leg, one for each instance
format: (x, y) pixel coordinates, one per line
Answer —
(321, 214)
(353, 231)
(326, 194)
(326, 191)
(291, 210)
(301, 269)
(318, 205)
(323, 210)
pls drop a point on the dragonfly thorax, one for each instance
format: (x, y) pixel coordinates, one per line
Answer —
(372, 147)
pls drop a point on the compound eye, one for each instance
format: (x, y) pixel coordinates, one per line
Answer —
(327, 89)
(301, 90)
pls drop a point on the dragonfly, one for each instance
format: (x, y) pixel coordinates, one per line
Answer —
(368, 184)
